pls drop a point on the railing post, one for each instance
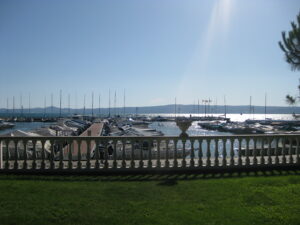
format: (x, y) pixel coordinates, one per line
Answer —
(88, 154)
(115, 165)
(276, 151)
(269, 151)
(132, 163)
(158, 154)
(61, 156)
(106, 155)
(175, 154)
(247, 152)
(262, 152)
(183, 164)
(1, 155)
(25, 154)
(16, 155)
(232, 151)
(297, 151)
(34, 155)
(167, 154)
(79, 164)
(52, 164)
(150, 156)
(7, 164)
(216, 162)
(123, 154)
(97, 164)
(240, 162)
(290, 151)
(208, 153)
(255, 152)
(224, 161)
(192, 154)
(43, 165)
(283, 151)
(200, 154)
(70, 158)
(141, 164)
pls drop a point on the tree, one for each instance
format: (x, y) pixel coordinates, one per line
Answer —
(290, 45)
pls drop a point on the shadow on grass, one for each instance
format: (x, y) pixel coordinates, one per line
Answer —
(163, 179)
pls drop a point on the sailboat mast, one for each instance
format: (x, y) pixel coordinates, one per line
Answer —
(124, 104)
(69, 100)
(99, 110)
(175, 108)
(92, 104)
(84, 105)
(60, 95)
(29, 103)
(265, 106)
(115, 103)
(109, 103)
(225, 108)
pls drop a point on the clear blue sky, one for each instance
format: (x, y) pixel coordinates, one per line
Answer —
(156, 50)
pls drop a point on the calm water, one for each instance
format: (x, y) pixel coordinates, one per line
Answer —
(25, 126)
(237, 117)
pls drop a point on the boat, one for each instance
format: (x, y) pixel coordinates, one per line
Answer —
(5, 125)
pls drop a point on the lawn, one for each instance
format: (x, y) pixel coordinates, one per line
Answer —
(246, 199)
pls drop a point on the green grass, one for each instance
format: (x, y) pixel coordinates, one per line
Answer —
(150, 200)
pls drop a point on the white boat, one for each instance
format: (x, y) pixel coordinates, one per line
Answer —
(5, 125)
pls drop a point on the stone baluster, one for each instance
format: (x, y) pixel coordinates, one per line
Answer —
(132, 163)
(7, 164)
(106, 155)
(61, 155)
(88, 154)
(240, 162)
(276, 151)
(150, 155)
(269, 151)
(70, 157)
(183, 154)
(16, 155)
(200, 154)
(208, 154)
(158, 164)
(79, 164)
(297, 151)
(224, 153)
(43, 164)
(231, 151)
(52, 164)
(25, 154)
(192, 154)
(216, 161)
(283, 150)
(167, 154)
(97, 156)
(34, 154)
(290, 150)
(247, 152)
(115, 165)
(1, 154)
(255, 152)
(141, 163)
(175, 154)
(123, 154)
(262, 152)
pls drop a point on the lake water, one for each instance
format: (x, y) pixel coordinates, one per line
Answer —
(25, 126)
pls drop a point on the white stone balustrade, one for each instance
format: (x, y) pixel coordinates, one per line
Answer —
(147, 153)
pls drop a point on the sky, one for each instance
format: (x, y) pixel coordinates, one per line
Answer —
(155, 50)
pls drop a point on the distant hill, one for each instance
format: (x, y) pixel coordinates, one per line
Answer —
(163, 109)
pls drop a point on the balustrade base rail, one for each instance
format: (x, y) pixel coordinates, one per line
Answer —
(153, 171)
